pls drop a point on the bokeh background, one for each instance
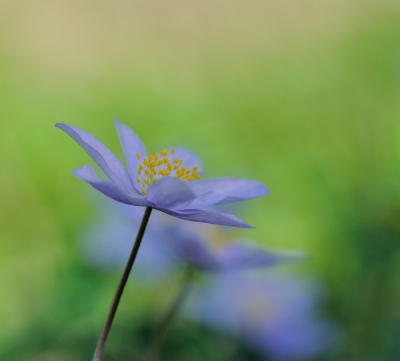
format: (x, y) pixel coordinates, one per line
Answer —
(300, 95)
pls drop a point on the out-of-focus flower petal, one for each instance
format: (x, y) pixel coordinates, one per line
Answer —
(131, 145)
(298, 339)
(104, 158)
(189, 248)
(170, 193)
(239, 257)
(277, 315)
(110, 189)
(225, 190)
(107, 242)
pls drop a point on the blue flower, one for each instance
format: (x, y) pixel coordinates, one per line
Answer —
(275, 314)
(161, 180)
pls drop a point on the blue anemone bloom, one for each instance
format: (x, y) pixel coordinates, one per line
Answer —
(163, 180)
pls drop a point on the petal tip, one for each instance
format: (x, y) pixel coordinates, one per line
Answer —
(78, 172)
(63, 126)
(246, 225)
(266, 190)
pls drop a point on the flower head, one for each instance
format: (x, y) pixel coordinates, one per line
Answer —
(163, 180)
(158, 165)
(276, 315)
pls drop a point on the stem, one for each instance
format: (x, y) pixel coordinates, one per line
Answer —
(120, 289)
(159, 336)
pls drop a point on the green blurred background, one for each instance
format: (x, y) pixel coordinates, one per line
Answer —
(300, 95)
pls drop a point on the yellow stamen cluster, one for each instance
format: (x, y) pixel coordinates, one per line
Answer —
(156, 166)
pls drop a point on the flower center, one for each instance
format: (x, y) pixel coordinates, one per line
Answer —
(163, 164)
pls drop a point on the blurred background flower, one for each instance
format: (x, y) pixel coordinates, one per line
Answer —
(277, 314)
(300, 95)
(170, 243)
(107, 242)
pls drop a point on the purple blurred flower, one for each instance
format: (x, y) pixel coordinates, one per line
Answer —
(208, 248)
(107, 242)
(170, 241)
(276, 315)
(161, 180)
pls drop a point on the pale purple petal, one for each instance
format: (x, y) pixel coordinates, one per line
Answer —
(189, 159)
(225, 190)
(169, 193)
(298, 340)
(187, 247)
(212, 217)
(239, 257)
(110, 189)
(131, 145)
(268, 313)
(104, 158)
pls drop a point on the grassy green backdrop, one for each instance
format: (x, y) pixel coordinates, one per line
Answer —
(300, 95)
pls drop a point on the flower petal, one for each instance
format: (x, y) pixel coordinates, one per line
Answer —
(189, 248)
(189, 159)
(225, 190)
(169, 193)
(110, 189)
(104, 158)
(131, 145)
(239, 257)
(212, 217)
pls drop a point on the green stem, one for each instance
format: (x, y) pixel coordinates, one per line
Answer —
(159, 336)
(120, 289)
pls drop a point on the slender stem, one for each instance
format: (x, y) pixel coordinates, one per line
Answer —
(159, 335)
(120, 289)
